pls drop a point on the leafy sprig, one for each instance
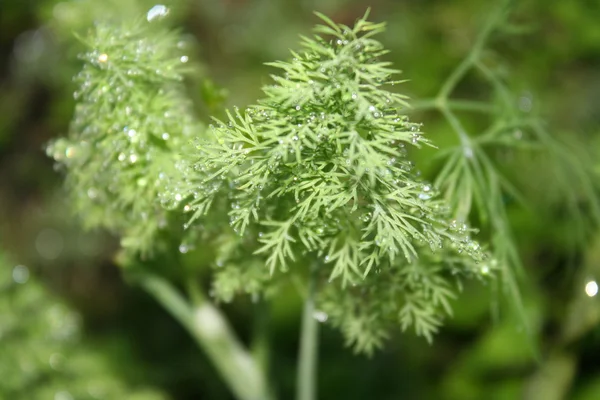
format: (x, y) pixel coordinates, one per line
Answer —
(318, 171)
(131, 120)
(472, 179)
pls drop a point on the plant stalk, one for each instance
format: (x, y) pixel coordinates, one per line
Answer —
(306, 381)
(213, 334)
(259, 347)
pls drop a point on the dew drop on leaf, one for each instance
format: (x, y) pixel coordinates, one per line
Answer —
(157, 12)
(468, 152)
(591, 288)
(320, 316)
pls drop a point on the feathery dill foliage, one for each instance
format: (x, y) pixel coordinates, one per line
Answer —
(318, 173)
(131, 119)
(473, 178)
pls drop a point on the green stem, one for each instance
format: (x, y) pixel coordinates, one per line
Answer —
(213, 334)
(454, 104)
(309, 343)
(260, 338)
(459, 72)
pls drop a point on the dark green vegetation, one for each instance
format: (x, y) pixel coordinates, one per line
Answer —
(509, 107)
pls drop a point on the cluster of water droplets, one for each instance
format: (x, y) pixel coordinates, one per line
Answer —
(462, 241)
(134, 52)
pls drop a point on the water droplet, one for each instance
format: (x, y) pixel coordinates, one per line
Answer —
(157, 12)
(133, 158)
(187, 208)
(591, 288)
(103, 58)
(184, 59)
(183, 248)
(20, 274)
(320, 316)
(525, 102)
(92, 193)
(454, 225)
(122, 157)
(70, 152)
(165, 136)
(354, 96)
(468, 151)
(298, 108)
(424, 196)
(327, 258)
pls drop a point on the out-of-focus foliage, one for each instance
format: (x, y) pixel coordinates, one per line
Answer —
(553, 64)
(43, 353)
(130, 122)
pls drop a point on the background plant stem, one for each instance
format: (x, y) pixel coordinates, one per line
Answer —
(309, 343)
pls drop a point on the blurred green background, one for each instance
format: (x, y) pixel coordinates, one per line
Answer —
(124, 346)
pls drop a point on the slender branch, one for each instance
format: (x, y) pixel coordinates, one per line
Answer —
(505, 95)
(475, 52)
(459, 72)
(457, 126)
(309, 343)
(213, 334)
(453, 104)
(469, 105)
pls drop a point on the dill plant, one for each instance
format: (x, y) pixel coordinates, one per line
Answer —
(318, 173)
(131, 120)
(470, 174)
(313, 184)
(122, 156)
